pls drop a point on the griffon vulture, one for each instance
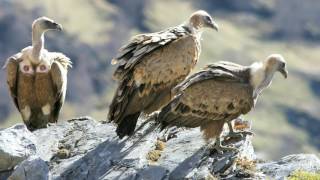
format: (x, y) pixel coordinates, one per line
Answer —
(37, 79)
(150, 65)
(219, 94)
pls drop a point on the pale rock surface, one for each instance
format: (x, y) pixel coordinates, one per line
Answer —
(16, 145)
(83, 148)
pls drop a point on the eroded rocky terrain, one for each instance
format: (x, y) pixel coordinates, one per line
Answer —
(83, 148)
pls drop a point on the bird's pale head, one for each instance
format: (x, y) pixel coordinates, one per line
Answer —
(43, 24)
(276, 62)
(201, 19)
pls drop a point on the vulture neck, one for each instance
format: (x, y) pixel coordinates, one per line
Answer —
(261, 77)
(194, 30)
(37, 45)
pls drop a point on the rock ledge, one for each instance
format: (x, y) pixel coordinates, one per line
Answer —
(83, 148)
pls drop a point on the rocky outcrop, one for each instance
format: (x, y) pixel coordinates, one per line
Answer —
(285, 166)
(32, 168)
(16, 145)
(86, 149)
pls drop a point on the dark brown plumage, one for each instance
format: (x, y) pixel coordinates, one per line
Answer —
(38, 90)
(150, 65)
(37, 79)
(219, 94)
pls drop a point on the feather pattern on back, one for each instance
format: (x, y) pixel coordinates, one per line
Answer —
(130, 54)
(150, 65)
(221, 92)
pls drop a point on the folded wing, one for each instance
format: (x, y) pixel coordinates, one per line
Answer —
(220, 93)
(58, 72)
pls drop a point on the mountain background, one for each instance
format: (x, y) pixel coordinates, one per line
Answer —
(286, 119)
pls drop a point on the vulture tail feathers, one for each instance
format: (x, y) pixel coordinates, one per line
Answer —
(120, 105)
(56, 111)
(167, 117)
(120, 101)
(127, 125)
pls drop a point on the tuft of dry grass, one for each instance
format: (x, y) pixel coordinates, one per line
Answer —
(154, 155)
(63, 153)
(246, 164)
(160, 145)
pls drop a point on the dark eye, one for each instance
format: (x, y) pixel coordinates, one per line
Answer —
(47, 23)
(207, 18)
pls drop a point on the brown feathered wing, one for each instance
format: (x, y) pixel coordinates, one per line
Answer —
(12, 66)
(149, 66)
(209, 98)
(58, 72)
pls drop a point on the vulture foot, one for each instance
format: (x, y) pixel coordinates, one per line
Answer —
(170, 134)
(217, 146)
(239, 134)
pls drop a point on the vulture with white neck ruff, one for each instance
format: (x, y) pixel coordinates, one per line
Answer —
(219, 94)
(37, 79)
(150, 65)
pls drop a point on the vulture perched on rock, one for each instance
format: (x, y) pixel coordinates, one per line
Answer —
(37, 79)
(150, 65)
(219, 94)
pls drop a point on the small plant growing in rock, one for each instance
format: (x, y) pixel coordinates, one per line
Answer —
(155, 154)
(303, 175)
(246, 167)
(246, 164)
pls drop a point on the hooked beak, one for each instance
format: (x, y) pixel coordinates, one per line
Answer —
(284, 72)
(214, 25)
(56, 26)
(59, 27)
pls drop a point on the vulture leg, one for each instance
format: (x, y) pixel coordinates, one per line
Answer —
(127, 125)
(170, 133)
(240, 134)
(220, 148)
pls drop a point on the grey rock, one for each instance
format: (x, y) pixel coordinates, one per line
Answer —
(31, 168)
(96, 152)
(16, 145)
(286, 165)
(83, 148)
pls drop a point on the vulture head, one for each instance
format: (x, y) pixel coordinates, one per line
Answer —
(276, 62)
(262, 72)
(201, 19)
(39, 27)
(44, 24)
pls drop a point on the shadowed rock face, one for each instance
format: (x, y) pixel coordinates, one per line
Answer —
(85, 149)
(308, 122)
(32, 168)
(315, 86)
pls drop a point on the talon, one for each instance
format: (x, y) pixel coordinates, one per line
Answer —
(170, 134)
(250, 133)
(239, 134)
(234, 135)
(220, 148)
